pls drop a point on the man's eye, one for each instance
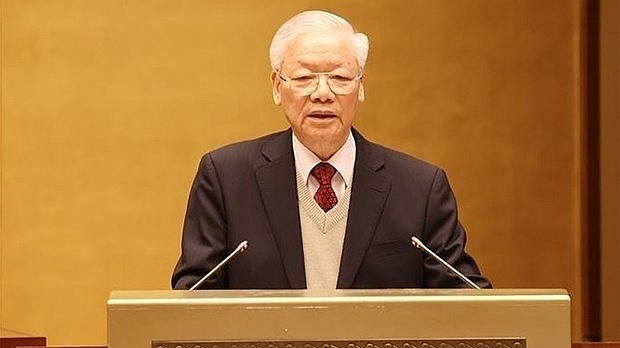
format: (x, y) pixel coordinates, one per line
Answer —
(340, 78)
(303, 78)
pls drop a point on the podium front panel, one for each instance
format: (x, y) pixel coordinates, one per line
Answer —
(407, 318)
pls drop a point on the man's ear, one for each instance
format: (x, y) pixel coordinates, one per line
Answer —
(276, 83)
(360, 93)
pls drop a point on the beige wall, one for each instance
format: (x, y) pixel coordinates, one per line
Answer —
(108, 105)
(610, 168)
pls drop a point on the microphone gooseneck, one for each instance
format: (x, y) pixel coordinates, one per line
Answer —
(238, 250)
(418, 244)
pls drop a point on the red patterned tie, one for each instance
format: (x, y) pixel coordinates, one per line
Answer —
(325, 195)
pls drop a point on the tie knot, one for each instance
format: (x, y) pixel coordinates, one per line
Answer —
(323, 172)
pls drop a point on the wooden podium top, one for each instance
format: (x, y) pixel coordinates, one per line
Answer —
(395, 318)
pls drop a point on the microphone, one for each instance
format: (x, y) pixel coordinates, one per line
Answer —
(418, 244)
(240, 248)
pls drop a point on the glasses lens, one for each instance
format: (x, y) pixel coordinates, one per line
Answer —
(341, 84)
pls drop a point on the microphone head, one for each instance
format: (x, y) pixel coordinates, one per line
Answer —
(416, 242)
(242, 246)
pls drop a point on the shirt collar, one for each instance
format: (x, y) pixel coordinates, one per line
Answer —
(343, 160)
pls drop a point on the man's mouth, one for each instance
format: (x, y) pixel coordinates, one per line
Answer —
(322, 114)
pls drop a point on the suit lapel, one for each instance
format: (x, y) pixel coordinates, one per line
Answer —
(368, 195)
(277, 183)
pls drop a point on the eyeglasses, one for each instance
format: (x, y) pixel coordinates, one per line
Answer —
(308, 83)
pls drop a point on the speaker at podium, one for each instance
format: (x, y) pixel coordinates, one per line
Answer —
(399, 318)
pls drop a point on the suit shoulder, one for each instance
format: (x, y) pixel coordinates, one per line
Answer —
(242, 151)
(408, 172)
(403, 161)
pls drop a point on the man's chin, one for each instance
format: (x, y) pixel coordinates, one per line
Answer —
(322, 134)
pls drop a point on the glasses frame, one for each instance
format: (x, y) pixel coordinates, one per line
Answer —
(288, 80)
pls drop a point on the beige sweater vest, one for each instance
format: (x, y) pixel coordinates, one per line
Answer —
(322, 237)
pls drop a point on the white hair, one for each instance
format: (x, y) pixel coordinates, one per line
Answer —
(311, 21)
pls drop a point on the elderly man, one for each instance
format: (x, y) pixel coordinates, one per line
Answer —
(321, 206)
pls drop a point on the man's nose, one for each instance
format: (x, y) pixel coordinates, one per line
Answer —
(323, 92)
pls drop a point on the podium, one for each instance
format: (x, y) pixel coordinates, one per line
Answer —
(406, 318)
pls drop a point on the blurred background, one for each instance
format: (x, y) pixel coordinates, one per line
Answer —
(107, 107)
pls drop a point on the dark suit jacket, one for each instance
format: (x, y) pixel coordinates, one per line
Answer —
(247, 191)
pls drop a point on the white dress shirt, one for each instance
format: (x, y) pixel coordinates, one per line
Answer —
(343, 160)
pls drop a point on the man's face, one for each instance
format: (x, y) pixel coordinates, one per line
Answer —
(321, 120)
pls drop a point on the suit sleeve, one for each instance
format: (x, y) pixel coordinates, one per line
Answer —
(203, 242)
(444, 235)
